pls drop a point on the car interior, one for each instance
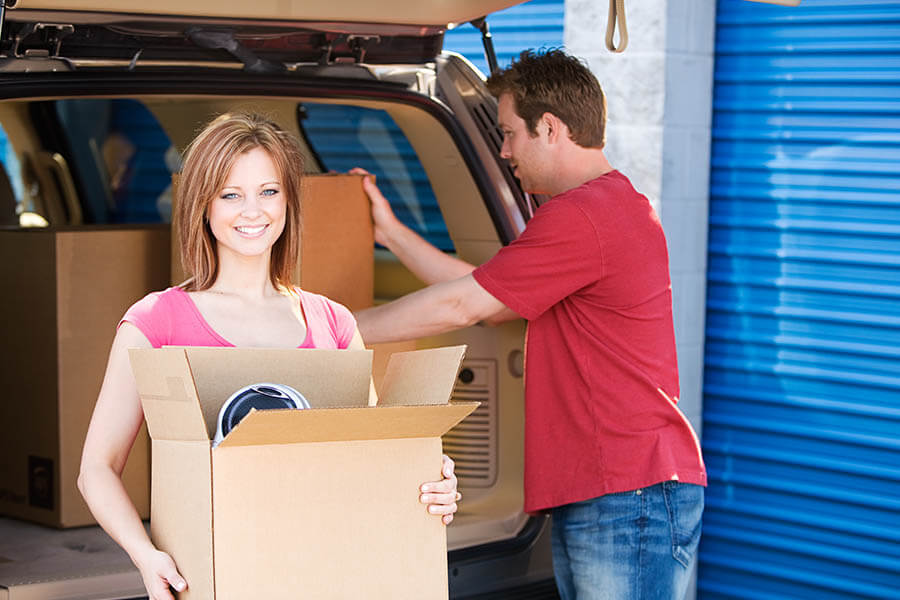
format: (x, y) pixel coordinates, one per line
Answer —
(105, 99)
(123, 151)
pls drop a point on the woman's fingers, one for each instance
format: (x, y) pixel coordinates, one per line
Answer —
(447, 466)
(173, 577)
(159, 572)
(442, 496)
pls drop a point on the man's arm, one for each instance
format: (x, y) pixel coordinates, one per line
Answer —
(439, 308)
(426, 262)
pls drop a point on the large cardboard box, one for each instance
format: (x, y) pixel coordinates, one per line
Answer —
(337, 245)
(318, 503)
(64, 292)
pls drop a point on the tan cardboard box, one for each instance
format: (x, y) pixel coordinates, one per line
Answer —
(318, 503)
(64, 292)
(337, 245)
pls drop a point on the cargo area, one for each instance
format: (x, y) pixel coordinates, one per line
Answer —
(437, 191)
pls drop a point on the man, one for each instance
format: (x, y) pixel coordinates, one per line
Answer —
(607, 452)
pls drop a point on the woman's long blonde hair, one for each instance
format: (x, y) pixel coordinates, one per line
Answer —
(207, 162)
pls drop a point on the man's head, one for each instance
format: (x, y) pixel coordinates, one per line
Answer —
(554, 82)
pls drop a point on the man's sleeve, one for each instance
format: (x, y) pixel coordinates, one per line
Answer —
(557, 254)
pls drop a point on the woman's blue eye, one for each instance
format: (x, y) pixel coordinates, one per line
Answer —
(269, 192)
(229, 196)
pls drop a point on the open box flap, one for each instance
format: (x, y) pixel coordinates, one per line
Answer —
(326, 378)
(289, 426)
(168, 395)
(421, 377)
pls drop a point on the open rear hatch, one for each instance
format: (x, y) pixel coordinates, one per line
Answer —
(263, 36)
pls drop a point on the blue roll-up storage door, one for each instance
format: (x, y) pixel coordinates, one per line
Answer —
(535, 24)
(801, 420)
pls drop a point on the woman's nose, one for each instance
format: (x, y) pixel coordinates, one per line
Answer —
(250, 206)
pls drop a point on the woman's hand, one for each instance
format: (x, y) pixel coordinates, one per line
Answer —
(382, 215)
(442, 496)
(159, 572)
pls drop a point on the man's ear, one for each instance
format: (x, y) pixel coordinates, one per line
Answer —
(555, 127)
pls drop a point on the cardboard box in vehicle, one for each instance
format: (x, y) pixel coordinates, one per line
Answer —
(337, 243)
(64, 293)
(315, 503)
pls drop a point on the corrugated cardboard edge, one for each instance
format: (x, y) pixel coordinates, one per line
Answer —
(421, 377)
(262, 427)
(168, 394)
(325, 377)
(181, 512)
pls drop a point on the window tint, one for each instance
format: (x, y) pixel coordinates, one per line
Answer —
(121, 157)
(11, 186)
(344, 137)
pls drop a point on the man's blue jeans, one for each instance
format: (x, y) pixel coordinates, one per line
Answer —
(633, 545)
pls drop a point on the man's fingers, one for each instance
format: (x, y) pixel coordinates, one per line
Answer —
(367, 180)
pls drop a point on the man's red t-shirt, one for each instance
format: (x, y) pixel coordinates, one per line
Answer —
(591, 274)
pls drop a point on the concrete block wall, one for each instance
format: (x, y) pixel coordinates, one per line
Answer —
(659, 99)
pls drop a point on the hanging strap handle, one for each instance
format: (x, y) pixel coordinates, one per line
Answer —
(616, 16)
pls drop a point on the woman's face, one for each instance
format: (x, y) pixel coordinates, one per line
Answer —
(248, 214)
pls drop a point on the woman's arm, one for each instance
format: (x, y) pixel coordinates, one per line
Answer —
(114, 426)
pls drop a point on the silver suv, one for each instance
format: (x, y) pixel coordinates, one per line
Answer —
(97, 99)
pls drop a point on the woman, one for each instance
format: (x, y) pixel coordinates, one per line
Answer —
(238, 213)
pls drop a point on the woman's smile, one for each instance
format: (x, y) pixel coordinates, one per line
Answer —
(251, 231)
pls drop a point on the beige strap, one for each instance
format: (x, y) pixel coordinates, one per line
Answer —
(616, 16)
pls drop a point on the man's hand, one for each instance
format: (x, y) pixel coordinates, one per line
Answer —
(382, 215)
(442, 496)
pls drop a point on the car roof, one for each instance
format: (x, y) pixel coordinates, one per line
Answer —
(400, 12)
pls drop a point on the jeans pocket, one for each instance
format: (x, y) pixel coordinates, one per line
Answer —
(684, 503)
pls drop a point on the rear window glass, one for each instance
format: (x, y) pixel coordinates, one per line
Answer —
(11, 185)
(121, 158)
(343, 137)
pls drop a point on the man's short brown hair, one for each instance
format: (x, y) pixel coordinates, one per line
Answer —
(552, 81)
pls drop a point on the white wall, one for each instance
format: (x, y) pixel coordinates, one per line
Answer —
(659, 97)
